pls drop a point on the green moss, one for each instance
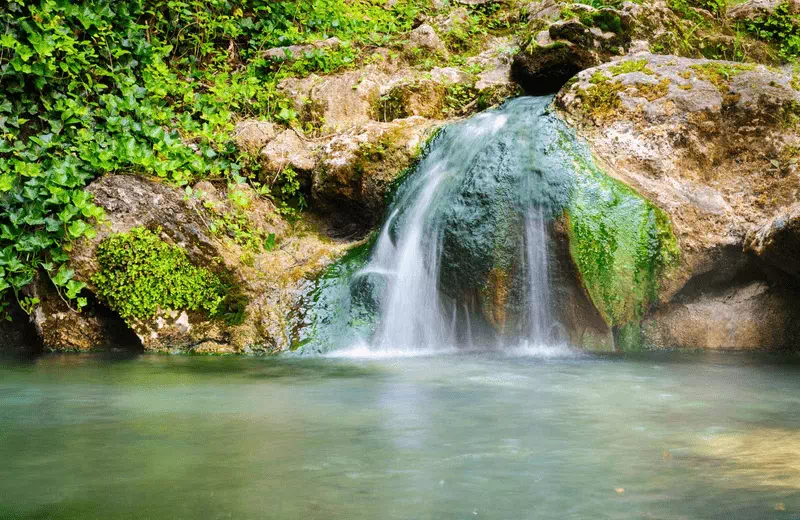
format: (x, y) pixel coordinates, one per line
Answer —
(605, 20)
(720, 74)
(622, 245)
(654, 91)
(141, 274)
(628, 66)
(795, 83)
(601, 98)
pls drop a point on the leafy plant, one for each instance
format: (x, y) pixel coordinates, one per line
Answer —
(150, 87)
(781, 28)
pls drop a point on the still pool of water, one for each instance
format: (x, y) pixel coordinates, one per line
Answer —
(524, 435)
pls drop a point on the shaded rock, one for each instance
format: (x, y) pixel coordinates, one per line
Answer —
(288, 149)
(356, 169)
(777, 242)
(752, 315)
(61, 328)
(19, 334)
(253, 135)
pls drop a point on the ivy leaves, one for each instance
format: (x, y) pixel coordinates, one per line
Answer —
(77, 100)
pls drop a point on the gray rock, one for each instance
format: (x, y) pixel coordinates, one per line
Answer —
(425, 38)
(754, 9)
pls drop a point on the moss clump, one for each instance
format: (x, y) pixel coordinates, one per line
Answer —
(628, 66)
(601, 99)
(605, 20)
(720, 74)
(141, 274)
(651, 92)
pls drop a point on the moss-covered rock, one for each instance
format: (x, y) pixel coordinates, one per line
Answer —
(705, 143)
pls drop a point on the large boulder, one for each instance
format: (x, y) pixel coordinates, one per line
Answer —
(714, 144)
(219, 229)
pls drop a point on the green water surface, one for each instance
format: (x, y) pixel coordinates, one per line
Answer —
(458, 436)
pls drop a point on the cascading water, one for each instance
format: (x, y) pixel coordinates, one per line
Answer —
(506, 233)
(463, 257)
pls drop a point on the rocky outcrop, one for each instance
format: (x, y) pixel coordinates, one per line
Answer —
(266, 280)
(713, 144)
(567, 38)
(357, 168)
(777, 242)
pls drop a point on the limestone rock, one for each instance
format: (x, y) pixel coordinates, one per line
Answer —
(751, 316)
(253, 135)
(267, 283)
(293, 52)
(701, 140)
(777, 241)
(356, 168)
(565, 38)
(425, 39)
(495, 63)
(288, 149)
(336, 103)
(754, 9)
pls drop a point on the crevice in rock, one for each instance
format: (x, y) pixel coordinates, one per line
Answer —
(117, 334)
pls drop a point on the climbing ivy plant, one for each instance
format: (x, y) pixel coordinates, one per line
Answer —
(149, 87)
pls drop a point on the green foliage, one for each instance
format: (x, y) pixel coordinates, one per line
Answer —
(780, 28)
(150, 87)
(141, 274)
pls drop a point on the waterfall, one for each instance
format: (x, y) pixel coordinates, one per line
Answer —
(463, 258)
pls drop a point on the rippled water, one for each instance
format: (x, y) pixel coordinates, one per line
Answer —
(534, 434)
